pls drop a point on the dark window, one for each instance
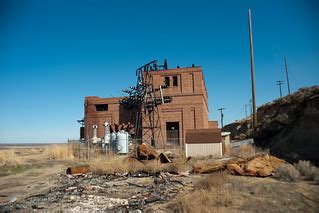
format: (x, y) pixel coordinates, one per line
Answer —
(166, 81)
(175, 81)
(102, 107)
(167, 99)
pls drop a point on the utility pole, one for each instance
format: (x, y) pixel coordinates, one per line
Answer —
(250, 107)
(287, 76)
(221, 116)
(252, 68)
(246, 109)
(279, 83)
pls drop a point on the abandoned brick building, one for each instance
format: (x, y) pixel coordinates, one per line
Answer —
(188, 108)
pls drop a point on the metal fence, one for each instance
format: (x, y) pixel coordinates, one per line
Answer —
(83, 149)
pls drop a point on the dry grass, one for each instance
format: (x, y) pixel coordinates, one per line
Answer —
(108, 165)
(287, 172)
(307, 169)
(9, 157)
(228, 151)
(111, 164)
(248, 151)
(211, 192)
(214, 180)
(61, 152)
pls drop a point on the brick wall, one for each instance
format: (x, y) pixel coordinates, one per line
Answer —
(189, 104)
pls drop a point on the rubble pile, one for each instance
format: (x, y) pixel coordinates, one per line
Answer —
(89, 192)
(259, 166)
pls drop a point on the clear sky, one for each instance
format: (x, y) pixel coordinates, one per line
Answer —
(54, 53)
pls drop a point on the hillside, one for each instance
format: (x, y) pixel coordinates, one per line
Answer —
(288, 127)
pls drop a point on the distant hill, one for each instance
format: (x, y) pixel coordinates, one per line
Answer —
(288, 127)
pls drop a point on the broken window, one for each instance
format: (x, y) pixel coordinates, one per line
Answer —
(102, 107)
(166, 81)
(175, 81)
(167, 99)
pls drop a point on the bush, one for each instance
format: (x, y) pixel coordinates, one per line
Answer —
(209, 192)
(287, 172)
(307, 169)
(111, 164)
(248, 151)
(214, 180)
(61, 151)
(9, 157)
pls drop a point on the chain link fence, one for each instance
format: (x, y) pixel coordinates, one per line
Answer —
(83, 150)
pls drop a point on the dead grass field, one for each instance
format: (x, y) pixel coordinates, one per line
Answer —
(29, 171)
(220, 192)
(121, 164)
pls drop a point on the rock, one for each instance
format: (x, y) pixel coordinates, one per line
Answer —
(235, 169)
(260, 166)
(208, 168)
(152, 198)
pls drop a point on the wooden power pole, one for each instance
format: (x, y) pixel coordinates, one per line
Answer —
(279, 83)
(286, 69)
(221, 116)
(252, 67)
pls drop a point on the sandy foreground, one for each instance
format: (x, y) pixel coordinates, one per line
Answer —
(40, 184)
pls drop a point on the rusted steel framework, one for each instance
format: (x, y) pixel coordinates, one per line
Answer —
(144, 99)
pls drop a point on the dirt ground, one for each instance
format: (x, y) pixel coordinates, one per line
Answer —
(41, 184)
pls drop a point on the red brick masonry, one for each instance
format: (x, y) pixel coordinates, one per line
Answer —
(189, 104)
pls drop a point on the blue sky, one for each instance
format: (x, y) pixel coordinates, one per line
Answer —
(54, 53)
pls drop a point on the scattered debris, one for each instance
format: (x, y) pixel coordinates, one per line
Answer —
(210, 167)
(163, 158)
(259, 166)
(88, 192)
(145, 152)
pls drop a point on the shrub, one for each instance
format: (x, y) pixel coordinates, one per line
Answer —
(111, 164)
(9, 157)
(214, 180)
(201, 201)
(61, 151)
(248, 151)
(307, 169)
(287, 172)
(209, 192)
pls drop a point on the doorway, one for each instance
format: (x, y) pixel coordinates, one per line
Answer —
(172, 133)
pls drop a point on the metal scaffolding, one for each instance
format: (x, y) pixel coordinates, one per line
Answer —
(144, 99)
